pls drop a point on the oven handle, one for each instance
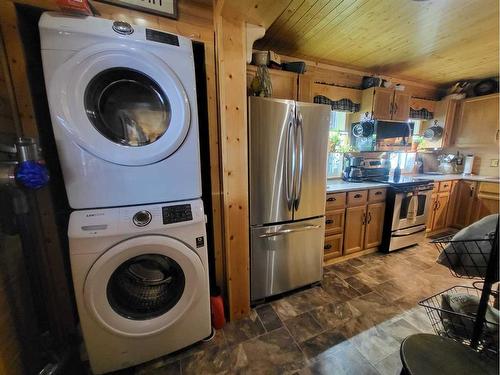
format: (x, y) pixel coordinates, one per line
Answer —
(421, 229)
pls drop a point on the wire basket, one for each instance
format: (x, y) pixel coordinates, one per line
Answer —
(459, 326)
(465, 258)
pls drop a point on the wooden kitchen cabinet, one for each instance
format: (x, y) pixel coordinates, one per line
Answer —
(488, 199)
(477, 123)
(462, 203)
(417, 104)
(333, 246)
(285, 84)
(444, 116)
(354, 232)
(386, 104)
(374, 224)
(401, 106)
(437, 215)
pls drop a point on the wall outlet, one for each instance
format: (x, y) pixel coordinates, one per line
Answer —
(493, 162)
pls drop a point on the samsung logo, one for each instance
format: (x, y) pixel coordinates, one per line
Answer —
(95, 214)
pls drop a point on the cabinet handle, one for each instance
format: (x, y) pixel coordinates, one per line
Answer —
(357, 196)
(391, 106)
(329, 221)
(497, 134)
(363, 219)
(378, 193)
(369, 217)
(395, 108)
(331, 199)
(438, 204)
(328, 247)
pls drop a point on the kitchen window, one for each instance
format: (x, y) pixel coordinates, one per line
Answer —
(338, 143)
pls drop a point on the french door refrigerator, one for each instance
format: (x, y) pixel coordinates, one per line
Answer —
(288, 143)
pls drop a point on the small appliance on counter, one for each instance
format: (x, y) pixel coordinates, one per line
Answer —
(359, 169)
(469, 162)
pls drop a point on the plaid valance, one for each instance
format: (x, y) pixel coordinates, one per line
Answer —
(422, 114)
(346, 105)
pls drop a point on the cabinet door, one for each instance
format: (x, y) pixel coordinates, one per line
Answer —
(334, 222)
(305, 88)
(464, 203)
(441, 210)
(333, 247)
(401, 106)
(487, 200)
(354, 229)
(382, 103)
(432, 210)
(452, 203)
(374, 224)
(478, 122)
(284, 83)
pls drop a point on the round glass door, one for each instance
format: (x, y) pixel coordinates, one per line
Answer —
(122, 104)
(146, 286)
(127, 107)
(143, 285)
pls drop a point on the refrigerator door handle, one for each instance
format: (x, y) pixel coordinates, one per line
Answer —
(290, 162)
(300, 157)
(291, 230)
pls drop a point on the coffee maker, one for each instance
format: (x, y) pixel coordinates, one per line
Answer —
(359, 168)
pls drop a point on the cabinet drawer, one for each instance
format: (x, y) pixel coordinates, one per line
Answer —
(333, 246)
(435, 189)
(335, 200)
(334, 222)
(489, 188)
(444, 186)
(357, 198)
(377, 195)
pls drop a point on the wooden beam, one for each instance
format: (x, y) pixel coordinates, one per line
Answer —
(231, 69)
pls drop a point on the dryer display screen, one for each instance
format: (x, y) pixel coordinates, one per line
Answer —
(176, 214)
(158, 36)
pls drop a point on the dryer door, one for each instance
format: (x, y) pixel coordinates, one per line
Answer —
(122, 104)
(143, 285)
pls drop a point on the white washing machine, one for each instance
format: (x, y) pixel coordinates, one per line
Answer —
(141, 281)
(123, 104)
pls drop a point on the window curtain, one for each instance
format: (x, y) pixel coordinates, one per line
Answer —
(421, 114)
(346, 105)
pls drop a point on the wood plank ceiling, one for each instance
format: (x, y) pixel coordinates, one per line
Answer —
(439, 41)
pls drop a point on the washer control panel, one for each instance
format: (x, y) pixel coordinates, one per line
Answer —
(142, 218)
(161, 37)
(177, 213)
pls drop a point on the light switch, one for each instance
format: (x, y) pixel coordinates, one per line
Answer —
(494, 163)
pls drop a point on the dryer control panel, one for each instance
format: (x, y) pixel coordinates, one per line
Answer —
(177, 213)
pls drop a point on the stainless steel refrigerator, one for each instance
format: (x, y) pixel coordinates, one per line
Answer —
(288, 143)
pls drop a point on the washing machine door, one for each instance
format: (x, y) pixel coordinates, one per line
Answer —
(143, 285)
(120, 103)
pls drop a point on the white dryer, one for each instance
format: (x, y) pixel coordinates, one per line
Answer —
(141, 283)
(123, 104)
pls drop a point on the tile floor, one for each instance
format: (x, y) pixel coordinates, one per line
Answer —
(352, 324)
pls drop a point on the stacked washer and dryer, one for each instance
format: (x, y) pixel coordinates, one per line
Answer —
(123, 105)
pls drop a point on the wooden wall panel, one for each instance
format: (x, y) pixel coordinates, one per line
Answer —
(231, 69)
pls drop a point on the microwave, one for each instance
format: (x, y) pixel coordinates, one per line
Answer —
(379, 135)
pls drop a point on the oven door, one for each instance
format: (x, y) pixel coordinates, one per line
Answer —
(411, 208)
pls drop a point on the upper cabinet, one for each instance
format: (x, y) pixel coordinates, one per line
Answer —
(386, 104)
(477, 123)
(443, 119)
(285, 85)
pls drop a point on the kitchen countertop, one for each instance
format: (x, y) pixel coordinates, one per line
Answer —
(338, 185)
(448, 177)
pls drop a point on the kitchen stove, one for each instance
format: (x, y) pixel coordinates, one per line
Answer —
(407, 206)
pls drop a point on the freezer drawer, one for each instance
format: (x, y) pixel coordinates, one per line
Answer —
(285, 257)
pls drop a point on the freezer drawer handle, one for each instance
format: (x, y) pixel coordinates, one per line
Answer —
(291, 230)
